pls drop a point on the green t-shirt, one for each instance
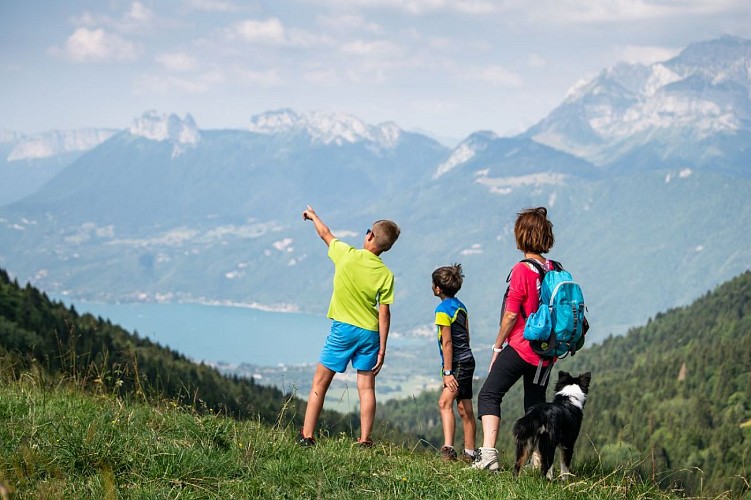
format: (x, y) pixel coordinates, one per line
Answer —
(361, 281)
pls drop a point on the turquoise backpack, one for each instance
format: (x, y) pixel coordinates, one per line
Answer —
(557, 328)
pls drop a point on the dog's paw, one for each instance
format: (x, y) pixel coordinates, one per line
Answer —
(565, 476)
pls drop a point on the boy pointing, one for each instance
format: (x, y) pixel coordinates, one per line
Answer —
(359, 309)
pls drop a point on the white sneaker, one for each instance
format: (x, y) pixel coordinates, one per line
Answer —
(486, 459)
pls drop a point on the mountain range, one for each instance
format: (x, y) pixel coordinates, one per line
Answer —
(645, 171)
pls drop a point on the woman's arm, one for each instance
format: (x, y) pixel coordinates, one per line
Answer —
(507, 323)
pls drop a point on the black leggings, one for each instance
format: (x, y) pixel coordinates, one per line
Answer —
(504, 373)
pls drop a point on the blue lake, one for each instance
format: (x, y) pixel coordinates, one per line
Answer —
(221, 333)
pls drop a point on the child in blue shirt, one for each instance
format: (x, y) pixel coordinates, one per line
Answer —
(458, 362)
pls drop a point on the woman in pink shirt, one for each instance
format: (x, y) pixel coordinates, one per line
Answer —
(513, 357)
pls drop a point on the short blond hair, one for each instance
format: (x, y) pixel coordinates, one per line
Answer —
(533, 231)
(386, 232)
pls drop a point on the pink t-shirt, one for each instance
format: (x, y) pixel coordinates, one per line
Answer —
(523, 295)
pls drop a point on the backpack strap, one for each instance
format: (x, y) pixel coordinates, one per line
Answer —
(542, 373)
(541, 271)
(536, 264)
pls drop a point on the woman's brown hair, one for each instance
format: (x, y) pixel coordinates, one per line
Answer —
(533, 231)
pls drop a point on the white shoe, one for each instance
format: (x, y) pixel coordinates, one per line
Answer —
(486, 459)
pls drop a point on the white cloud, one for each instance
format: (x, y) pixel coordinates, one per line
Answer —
(137, 18)
(284, 245)
(424, 7)
(550, 11)
(151, 84)
(265, 78)
(323, 77)
(86, 45)
(350, 23)
(212, 5)
(376, 49)
(646, 55)
(536, 61)
(139, 14)
(270, 31)
(273, 32)
(307, 39)
(621, 11)
(177, 61)
(475, 249)
(494, 75)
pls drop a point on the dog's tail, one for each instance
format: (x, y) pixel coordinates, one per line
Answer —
(524, 448)
(526, 437)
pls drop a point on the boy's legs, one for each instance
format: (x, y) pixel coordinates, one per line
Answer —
(364, 359)
(464, 372)
(446, 408)
(335, 355)
(468, 422)
(366, 392)
(321, 382)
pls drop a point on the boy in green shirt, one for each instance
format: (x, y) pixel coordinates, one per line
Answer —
(359, 330)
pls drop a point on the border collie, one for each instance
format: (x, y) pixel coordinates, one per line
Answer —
(547, 426)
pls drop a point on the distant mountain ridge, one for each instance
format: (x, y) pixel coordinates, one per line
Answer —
(179, 132)
(702, 95)
(326, 128)
(166, 211)
(54, 143)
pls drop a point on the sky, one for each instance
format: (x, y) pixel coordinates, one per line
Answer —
(443, 67)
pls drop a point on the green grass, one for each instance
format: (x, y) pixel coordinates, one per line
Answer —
(61, 442)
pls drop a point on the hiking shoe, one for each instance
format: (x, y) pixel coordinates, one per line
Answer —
(364, 444)
(486, 459)
(468, 457)
(448, 453)
(303, 441)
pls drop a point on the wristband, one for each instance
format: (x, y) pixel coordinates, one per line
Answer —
(496, 349)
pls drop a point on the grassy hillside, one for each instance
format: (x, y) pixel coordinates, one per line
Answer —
(63, 442)
(671, 399)
(45, 337)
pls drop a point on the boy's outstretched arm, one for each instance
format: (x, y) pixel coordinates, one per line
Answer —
(384, 323)
(322, 229)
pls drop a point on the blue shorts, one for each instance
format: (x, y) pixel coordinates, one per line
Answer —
(348, 343)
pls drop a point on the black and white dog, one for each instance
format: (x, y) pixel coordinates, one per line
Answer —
(547, 426)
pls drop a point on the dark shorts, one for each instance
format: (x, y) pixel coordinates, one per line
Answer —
(464, 372)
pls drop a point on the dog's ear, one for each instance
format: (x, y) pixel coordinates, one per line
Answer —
(564, 378)
(584, 380)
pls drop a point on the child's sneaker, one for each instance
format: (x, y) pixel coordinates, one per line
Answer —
(303, 441)
(448, 453)
(486, 459)
(364, 444)
(468, 457)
